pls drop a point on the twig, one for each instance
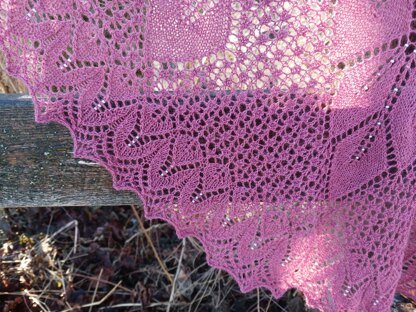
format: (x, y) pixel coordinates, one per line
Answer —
(268, 304)
(76, 234)
(96, 288)
(172, 293)
(204, 288)
(123, 305)
(25, 293)
(149, 240)
(225, 291)
(196, 244)
(149, 229)
(47, 287)
(73, 223)
(27, 306)
(35, 299)
(258, 300)
(135, 305)
(98, 302)
(93, 278)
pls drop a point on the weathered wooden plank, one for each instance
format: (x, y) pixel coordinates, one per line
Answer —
(37, 167)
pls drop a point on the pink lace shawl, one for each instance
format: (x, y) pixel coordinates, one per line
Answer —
(281, 134)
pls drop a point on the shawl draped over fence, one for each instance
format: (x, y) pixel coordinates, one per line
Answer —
(280, 133)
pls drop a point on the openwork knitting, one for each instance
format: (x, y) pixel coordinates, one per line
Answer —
(281, 134)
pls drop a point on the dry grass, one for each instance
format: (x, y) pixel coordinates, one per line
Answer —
(110, 259)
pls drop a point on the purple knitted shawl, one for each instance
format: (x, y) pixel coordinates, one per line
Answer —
(281, 134)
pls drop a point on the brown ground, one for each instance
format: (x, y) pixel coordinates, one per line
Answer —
(99, 259)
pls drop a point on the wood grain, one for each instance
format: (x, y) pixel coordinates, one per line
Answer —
(37, 168)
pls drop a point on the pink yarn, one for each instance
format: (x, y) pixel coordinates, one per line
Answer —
(281, 134)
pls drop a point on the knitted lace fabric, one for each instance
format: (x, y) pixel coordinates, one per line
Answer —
(281, 134)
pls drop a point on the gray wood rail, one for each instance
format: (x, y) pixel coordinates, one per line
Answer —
(37, 168)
